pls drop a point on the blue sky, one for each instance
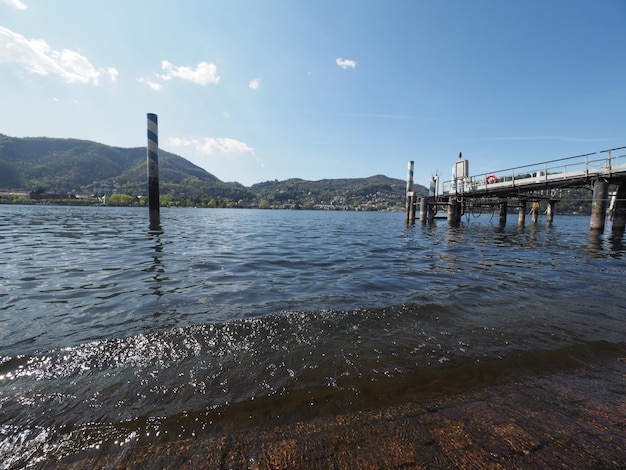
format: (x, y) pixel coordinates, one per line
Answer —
(276, 89)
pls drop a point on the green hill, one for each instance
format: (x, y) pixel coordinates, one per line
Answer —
(374, 192)
(66, 164)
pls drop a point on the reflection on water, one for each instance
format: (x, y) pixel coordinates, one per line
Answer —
(606, 244)
(156, 268)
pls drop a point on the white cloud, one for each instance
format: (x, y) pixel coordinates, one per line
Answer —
(213, 145)
(181, 141)
(254, 84)
(38, 57)
(113, 73)
(203, 74)
(153, 85)
(16, 4)
(346, 63)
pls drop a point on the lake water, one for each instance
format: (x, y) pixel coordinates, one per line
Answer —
(112, 334)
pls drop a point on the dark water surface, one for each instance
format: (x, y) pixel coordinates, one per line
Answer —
(113, 335)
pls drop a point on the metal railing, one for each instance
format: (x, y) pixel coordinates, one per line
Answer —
(562, 170)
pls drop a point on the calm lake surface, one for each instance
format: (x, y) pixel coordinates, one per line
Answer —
(114, 335)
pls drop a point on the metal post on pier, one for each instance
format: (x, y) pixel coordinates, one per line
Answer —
(598, 205)
(153, 171)
(521, 213)
(503, 209)
(423, 209)
(619, 211)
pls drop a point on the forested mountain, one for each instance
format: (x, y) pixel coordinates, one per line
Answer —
(66, 164)
(44, 165)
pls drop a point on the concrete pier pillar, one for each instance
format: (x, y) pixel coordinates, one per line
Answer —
(423, 210)
(550, 212)
(598, 205)
(410, 209)
(430, 210)
(521, 213)
(619, 215)
(503, 209)
(534, 212)
(454, 212)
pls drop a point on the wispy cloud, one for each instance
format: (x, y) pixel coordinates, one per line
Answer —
(255, 84)
(150, 83)
(346, 63)
(113, 74)
(16, 4)
(213, 145)
(39, 58)
(203, 74)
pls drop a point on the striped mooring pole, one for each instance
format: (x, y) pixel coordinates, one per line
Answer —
(410, 200)
(153, 171)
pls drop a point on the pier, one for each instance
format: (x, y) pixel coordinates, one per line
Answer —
(527, 188)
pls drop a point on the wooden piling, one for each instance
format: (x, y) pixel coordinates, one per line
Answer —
(153, 171)
(598, 205)
(619, 214)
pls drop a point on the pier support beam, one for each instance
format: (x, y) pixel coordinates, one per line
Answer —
(503, 209)
(423, 210)
(598, 205)
(619, 215)
(521, 213)
(534, 212)
(550, 212)
(454, 212)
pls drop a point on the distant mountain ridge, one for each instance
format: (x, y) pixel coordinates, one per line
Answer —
(73, 165)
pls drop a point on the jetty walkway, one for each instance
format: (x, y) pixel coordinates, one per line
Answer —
(529, 184)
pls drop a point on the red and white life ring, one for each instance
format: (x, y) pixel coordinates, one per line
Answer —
(491, 179)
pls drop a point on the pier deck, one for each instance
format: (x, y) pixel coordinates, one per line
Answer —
(570, 172)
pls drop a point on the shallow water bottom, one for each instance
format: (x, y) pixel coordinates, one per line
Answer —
(573, 418)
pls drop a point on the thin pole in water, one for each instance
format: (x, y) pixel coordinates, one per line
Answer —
(410, 198)
(153, 170)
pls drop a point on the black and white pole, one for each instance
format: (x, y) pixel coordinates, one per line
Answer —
(410, 197)
(153, 171)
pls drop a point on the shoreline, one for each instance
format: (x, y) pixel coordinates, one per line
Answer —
(574, 418)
